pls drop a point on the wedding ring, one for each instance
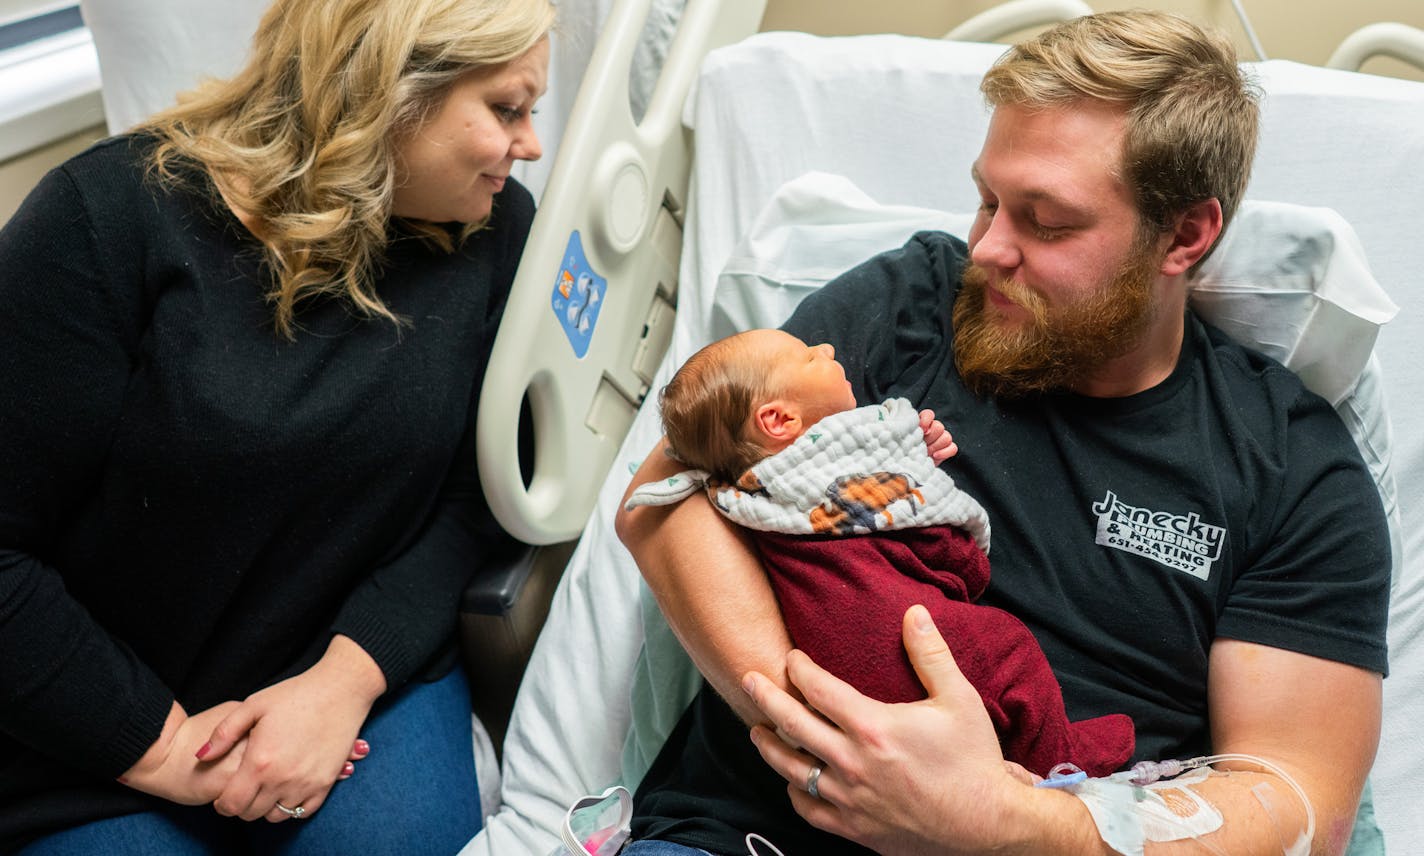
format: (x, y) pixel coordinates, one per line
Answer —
(296, 812)
(812, 781)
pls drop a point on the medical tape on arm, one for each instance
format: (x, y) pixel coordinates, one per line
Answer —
(1156, 802)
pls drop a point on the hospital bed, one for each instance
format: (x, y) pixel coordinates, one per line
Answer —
(703, 218)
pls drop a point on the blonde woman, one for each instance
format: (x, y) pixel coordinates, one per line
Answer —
(241, 348)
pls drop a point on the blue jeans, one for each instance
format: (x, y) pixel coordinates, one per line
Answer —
(660, 848)
(415, 793)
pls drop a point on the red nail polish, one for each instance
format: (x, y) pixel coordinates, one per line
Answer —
(349, 768)
(362, 747)
(207, 747)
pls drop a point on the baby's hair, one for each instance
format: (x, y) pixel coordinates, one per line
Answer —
(707, 409)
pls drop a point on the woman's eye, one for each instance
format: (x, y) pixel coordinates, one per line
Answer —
(508, 114)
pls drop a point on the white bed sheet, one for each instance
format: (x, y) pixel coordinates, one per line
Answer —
(857, 108)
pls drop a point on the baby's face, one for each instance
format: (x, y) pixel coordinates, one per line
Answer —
(806, 374)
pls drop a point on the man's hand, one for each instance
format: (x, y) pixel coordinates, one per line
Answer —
(938, 441)
(924, 777)
(301, 735)
(892, 775)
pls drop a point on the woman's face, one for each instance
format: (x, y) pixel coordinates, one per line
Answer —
(450, 168)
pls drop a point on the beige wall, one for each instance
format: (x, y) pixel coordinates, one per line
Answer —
(18, 175)
(1302, 30)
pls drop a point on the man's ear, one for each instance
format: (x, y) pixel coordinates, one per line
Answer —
(1195, 233)
(778, 422)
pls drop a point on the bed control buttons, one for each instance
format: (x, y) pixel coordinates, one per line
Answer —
(578, 296)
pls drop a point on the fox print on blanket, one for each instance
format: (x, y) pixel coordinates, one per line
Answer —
(858, 499)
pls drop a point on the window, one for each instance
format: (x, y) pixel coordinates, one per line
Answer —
(49, 75)
(20, 27)
(19, 10)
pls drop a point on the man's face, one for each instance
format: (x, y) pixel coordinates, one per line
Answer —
(1059, 281)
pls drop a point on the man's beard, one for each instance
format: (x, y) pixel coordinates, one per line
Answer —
(1060, 346)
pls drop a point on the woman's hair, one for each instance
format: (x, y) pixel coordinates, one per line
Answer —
(1191, 114)
(304, 139)
(707, 409)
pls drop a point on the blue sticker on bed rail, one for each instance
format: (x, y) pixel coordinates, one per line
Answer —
(578, 295)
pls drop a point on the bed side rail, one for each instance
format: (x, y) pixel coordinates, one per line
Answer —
(1002, 20)
(1400, 41)
(591, 311)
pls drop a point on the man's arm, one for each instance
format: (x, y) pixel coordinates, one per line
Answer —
(929, 777)
(1317, 719)
(710, 585)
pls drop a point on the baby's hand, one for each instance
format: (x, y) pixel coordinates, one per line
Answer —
(937, 440)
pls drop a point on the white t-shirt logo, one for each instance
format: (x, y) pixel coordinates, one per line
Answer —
(1179, 541)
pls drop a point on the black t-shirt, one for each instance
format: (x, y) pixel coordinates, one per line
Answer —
(191, 504)
(1226, 502)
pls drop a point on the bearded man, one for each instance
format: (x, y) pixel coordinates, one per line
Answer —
(1188, 532)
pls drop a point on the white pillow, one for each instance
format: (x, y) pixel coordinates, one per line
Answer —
(1293, 283)
(813, 229)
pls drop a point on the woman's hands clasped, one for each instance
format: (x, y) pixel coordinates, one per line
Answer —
(297, 738)
(275, 755)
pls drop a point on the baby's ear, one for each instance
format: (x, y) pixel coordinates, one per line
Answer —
(778, 421)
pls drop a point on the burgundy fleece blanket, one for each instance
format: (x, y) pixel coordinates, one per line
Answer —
(844, 599)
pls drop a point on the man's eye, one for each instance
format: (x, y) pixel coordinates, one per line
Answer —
(1048, 233)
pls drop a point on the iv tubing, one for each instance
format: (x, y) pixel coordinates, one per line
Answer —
(1286, 777)
(1146, 772)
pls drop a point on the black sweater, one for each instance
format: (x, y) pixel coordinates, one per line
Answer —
(191, 505)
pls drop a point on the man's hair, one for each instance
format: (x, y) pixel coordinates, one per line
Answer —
(304, 138)
(1191, 114)
(707, 409)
